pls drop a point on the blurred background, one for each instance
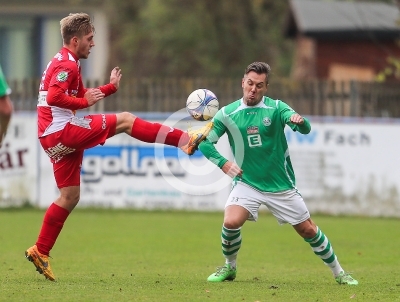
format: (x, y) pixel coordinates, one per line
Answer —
(332, 60)
(166, 49)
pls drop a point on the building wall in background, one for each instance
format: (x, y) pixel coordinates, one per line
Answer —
(30, 37)
(304, 59)
(361, 60)
(341, 60)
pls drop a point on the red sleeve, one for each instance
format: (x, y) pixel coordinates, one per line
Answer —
(57, 97)
(65, 75)
(108, 89)
(81, 90)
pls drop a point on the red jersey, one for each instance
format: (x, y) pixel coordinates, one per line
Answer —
(55, 110)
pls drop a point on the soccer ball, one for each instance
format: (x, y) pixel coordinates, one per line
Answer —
(202, 104)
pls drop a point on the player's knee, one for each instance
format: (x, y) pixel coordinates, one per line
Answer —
(72, 198)
(308, 233)
(125, 116)
(307, 230)
(232, 224)
(125, 120)
(68, 199)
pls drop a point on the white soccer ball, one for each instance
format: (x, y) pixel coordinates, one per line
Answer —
(202, 104)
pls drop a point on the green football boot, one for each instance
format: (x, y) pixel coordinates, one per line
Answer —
(223, 273)
(345, 278)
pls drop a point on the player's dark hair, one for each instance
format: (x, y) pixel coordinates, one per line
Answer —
(259, 68)
(78, 24)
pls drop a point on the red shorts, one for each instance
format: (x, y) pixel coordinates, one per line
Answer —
(65, 147)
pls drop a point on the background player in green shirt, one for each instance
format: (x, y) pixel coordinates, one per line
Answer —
(262, 171)
(5, 106)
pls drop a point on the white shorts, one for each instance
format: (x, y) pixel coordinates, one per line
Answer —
(287, 206)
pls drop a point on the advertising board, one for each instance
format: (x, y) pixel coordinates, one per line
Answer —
(343, 166)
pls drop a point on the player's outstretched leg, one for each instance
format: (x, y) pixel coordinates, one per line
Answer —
(188, 142)
(195, 138)
(40, 261)
(322, 247)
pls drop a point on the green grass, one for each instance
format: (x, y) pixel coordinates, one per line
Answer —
(167, 256)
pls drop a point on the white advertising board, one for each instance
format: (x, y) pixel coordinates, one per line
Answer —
(343, 166)
(19, 162)
(348, 167)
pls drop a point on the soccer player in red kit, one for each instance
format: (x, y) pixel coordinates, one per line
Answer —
(64, 137)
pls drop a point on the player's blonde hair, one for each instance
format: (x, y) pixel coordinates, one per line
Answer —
(77, 24)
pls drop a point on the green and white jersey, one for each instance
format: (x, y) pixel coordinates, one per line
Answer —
(257, 139)
(4, 89)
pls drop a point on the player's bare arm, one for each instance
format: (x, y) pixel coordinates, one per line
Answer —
(232, 169)
(115, 77)
(93, 95)
(6, 109)
(297, 119)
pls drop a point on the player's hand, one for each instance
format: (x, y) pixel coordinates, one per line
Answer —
(93, 95)
(232, 169)
(115, 76)
(297, 119)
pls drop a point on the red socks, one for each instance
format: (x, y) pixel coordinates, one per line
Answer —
(53, 222)
(158, 133)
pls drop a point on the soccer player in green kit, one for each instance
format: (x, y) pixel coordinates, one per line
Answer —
(262, 172)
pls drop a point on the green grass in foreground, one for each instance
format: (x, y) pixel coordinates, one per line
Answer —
(167, 256)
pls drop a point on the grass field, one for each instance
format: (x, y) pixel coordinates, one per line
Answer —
(166, 256)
